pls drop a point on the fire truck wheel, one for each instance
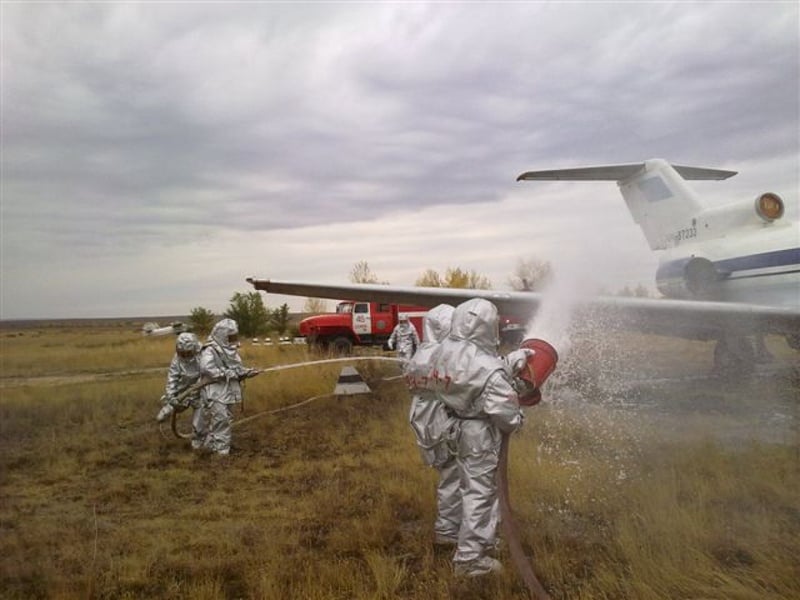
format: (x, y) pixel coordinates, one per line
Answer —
(341, 345)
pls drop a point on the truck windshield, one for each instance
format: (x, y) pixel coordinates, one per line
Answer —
(344, 308)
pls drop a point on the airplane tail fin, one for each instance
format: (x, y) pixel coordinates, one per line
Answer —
(656, 192)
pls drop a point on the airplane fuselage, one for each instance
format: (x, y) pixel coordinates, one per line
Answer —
(757, 265)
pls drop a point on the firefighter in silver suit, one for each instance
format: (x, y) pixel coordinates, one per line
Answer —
(476, 385)
(432, 426)
(404, 337)
(184, 372)
(221, 365)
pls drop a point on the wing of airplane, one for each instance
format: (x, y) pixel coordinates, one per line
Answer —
(728, 272)
(691, 319)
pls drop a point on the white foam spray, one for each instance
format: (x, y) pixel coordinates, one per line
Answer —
(571, 286)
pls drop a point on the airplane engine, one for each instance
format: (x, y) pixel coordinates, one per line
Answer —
(769, 207)
(694, 278)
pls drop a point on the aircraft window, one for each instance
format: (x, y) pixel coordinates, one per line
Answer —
(362, 308)
(654, 189)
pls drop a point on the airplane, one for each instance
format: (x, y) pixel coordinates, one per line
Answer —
(154, 330)
(729, 273)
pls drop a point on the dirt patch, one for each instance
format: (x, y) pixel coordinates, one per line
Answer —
(49, 380)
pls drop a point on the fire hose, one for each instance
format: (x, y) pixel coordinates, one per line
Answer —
(508, 524)
(204, 382)
(540, 362)
(510, 528)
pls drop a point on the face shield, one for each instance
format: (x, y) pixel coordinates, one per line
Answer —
(226, 333)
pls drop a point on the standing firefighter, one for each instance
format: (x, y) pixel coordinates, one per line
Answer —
(404, 337)
(183, 373)
(467, 376)
(221, 366)
(432, 425)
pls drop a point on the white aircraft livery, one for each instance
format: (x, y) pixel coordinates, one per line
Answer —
(728, 273)
(739, 252)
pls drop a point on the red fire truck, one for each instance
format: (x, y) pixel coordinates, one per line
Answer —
(371, 324)
(357, 324)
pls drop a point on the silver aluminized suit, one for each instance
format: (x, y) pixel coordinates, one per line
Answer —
(432, 425)
(221, 364)
(184, 372)
(405, 338)
(466, 374)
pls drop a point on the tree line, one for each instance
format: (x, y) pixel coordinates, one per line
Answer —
(255, 319)
(249, 312)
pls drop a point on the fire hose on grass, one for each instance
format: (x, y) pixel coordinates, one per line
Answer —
(180, 399)
(521, 562)
(537, 369)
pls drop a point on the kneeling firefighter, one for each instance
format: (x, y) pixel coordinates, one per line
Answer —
(183, 373)
(476, 386)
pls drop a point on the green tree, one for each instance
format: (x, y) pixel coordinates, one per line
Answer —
(280, 319)
(250, 314)
(202, 320)
(530, 275)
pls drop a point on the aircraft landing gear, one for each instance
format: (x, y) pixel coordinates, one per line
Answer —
(734, 355)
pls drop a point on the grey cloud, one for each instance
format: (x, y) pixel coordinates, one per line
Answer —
(156, 123)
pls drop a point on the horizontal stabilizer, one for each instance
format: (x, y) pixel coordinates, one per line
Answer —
(620, 173)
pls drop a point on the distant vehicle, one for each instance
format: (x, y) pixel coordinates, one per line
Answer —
(371, 324)
(154, 330)
(729, 272)
(357, 324)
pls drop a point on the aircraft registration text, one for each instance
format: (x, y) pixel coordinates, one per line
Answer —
(685, 234)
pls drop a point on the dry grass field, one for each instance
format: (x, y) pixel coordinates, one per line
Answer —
(658, 484)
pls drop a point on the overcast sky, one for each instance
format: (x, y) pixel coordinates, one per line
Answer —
(156, 154)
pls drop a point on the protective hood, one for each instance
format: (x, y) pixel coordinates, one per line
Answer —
(467, 358)
(476, 321)
(436, 324)
(187, 342)
(222, 331)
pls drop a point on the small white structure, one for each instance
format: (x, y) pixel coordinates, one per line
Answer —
(350, 382)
